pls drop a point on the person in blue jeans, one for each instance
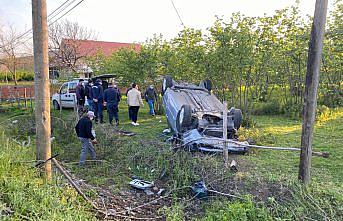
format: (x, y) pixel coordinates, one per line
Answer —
(98, 99)
(150, 97)
(112, 98)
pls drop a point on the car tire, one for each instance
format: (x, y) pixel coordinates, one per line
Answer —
(56, 105)
(207, 84)
(184, 118)
(167, 83)
(237, 118)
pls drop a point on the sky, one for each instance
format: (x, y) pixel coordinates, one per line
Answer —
(138, 20)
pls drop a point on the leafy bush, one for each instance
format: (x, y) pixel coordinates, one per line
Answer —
(332, 97)
(267, 108)
(21, 76)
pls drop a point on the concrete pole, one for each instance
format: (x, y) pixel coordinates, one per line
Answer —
(311, 88)
(42, 85)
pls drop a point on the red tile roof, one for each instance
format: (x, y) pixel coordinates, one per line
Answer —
(91, 47)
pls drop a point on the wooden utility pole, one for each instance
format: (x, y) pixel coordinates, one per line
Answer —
(225, 150)
(311, 87)
(42, 87)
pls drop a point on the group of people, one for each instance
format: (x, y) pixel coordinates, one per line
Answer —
(97, 98)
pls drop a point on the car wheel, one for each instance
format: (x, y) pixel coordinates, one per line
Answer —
(237, 118)
(167, 83)
(207, 84)
(56, 105)
(184, 118)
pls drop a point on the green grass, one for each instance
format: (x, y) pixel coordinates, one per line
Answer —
(267, 179)
(24, 195)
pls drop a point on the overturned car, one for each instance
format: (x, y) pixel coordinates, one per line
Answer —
(195, 116)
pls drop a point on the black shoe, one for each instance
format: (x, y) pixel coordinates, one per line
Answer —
(117, 123)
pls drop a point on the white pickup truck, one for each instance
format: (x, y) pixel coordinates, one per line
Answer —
(66, 96)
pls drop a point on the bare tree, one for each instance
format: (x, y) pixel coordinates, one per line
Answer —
(12, 47)
(64, 43)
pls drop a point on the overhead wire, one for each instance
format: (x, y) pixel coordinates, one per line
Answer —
(49, 19)
(178, 14)
(23, 35)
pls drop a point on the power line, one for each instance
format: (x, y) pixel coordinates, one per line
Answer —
(30, 30)
(64, 8)
(178, 14)
(66, 12)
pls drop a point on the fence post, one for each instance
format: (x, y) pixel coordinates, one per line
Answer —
(31, 100)
(18, 98)
(25, 98)
(225, 150)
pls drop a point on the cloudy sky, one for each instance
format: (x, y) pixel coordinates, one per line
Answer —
(137, 20)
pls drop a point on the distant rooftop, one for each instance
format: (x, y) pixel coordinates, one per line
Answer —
(91, 47)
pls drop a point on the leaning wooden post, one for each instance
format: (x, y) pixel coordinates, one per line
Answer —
(311, 88)
(42, 87)
(225, 150)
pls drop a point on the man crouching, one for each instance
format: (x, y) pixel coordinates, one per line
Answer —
(83, 130)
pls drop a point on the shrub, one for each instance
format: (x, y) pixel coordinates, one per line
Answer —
(267, 108)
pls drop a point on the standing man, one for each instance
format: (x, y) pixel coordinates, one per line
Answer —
(88, 93)
(112, 98)
(83, 130)
(80, 97)
(134, 100)
(150, 97)
(97, 96)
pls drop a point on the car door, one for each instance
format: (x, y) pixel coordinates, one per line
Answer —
(72, 94)
(64, 95)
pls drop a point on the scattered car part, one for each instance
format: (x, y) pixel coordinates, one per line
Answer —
(199, 189)
(166, 131)
(141, 184)
(233, 166)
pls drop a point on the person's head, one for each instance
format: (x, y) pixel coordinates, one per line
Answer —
(151, 86)
(134, 85)
(98, 82)
(90, 114)
(81, 81)
(110, 84)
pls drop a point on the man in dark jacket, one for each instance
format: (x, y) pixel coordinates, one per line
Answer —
(112, 98)
(150, 97)
(88, 93)
(84, 132)
(98, 99)
(80, 97)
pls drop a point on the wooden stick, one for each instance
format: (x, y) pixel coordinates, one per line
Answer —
(66, 175)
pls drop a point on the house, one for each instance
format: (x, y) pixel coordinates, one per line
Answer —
(72, 54)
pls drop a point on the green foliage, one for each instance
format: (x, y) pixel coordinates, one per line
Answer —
(21, 76)
(236, 211)
(29, 196)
